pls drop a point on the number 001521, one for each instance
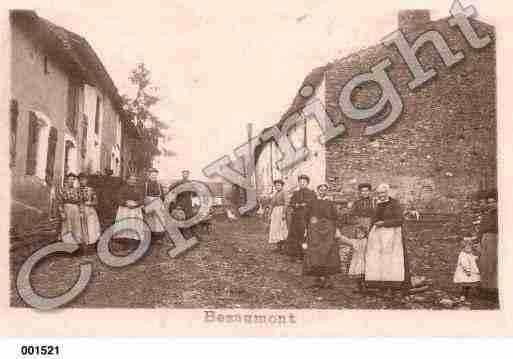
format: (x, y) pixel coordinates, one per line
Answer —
(40, 350)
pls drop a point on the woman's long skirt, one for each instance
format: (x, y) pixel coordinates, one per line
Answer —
(71, 231)
(151, 219)
(278, 230)
(385, 258)
(488, 261)
(130, 223)
(298, 226)
(321, 256)
(93, 232)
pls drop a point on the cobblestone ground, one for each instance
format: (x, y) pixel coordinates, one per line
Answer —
(234, 268)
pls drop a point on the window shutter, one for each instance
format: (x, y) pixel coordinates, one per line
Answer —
(14, 131)
(73, 98)
(32, 144)
(84, 137)
(97, 115)
(52, 149)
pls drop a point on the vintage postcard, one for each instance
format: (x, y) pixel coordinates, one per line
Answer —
(266, 169)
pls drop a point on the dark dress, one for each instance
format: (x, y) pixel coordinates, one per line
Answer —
(322, 255)
(300, 207)
(488, 259)
(386, 255)
(363, 211)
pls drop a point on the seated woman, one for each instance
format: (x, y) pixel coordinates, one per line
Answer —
(130, 214)
(386, 266)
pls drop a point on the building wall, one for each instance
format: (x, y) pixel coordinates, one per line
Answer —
(38, 92)
(91, 163)
(442, 147)
(314, 166)
(111, 145)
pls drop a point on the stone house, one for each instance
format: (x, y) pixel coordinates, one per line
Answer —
(66, 114)
(441, 148)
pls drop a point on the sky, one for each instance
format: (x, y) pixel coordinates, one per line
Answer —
(220, 65)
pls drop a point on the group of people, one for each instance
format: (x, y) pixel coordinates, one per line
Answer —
(308, 228)
(77, 202)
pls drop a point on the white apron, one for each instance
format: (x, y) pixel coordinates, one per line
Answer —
(130, 218)
(93, 225)
(384, 258)
(278, 230)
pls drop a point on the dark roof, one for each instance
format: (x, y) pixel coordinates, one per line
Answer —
(74, 50)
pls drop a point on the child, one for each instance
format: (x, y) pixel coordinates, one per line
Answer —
(467, 272)
(357, 266)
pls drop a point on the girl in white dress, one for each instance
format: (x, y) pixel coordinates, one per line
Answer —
(467, 271)
(357, 266)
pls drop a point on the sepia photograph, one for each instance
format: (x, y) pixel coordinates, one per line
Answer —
(253, 163)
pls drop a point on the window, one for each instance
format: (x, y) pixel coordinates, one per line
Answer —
(14, 130)
(97, 115)
(50, 161)
(45, 65)
(32, 144)
(73, 103)
(83, 146)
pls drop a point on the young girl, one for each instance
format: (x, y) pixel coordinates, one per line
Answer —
(467, 272)
(357, 266)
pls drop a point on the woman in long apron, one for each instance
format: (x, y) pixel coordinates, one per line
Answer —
(130, 215)
(322, 258)
(68, 198)
(90, 221)
(488, 260)
(153, 191)
(278, 230)
(386, 266)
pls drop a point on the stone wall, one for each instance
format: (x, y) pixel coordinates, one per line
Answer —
(442, 147)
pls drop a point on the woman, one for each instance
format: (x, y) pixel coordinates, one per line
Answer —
(130, 216)
(321, 257)
(300, 206)
(488, 260)
(69, 200)
(278, 231)
(153, 191)
(90, 221)
(386, 266)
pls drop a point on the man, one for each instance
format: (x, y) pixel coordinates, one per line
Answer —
(300, 207)
(363, 207)
(184, 199)
(153, 191)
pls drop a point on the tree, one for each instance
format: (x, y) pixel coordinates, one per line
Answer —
(149, 127)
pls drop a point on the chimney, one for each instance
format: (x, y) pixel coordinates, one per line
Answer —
(410, 20)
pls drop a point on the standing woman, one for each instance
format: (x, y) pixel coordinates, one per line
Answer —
(89, 201)
(488, 235)
(321, 256)
(278, 230)
(300, 206)
(386, 266)
(69, 200)
(130, 215)
(153, 191)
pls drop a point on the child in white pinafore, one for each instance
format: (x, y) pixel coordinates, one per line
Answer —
(467, 271)
(357, 266)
